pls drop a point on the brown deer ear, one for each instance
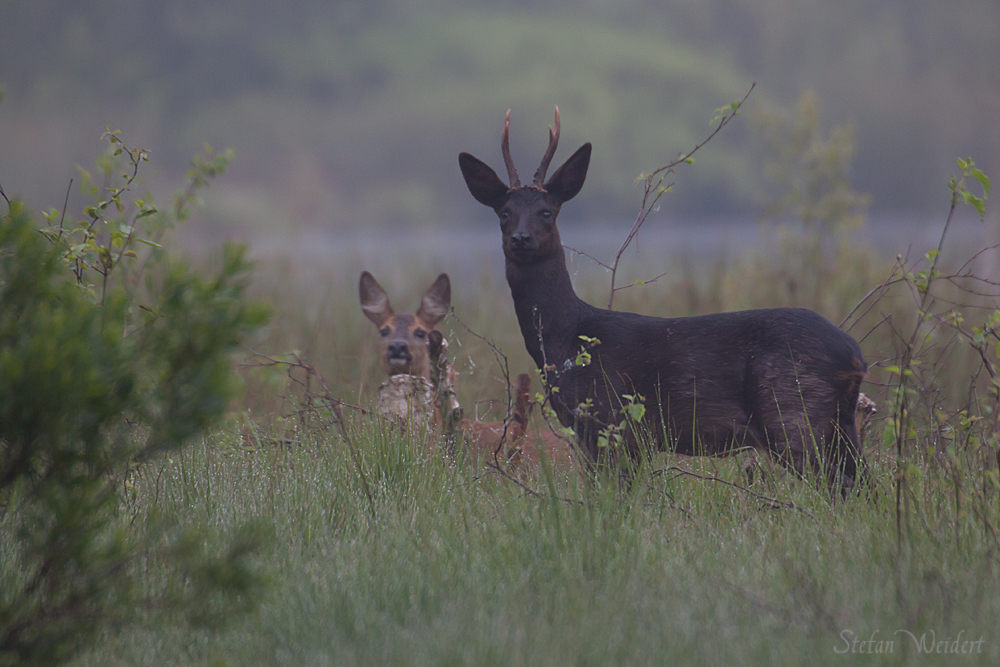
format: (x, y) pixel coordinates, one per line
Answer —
(483, 182)
(436, 302)
(374, 300)
(568, 179)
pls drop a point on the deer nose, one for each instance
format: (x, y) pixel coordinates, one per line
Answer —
(399, 350)
(520, 240)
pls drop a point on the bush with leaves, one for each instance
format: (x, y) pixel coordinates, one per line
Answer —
(92, 381)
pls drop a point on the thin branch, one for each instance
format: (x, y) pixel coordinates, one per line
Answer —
(890, 280)
(659, 189)
(502, 360)
(62, 218)
(590, 257)
(640, 282)
(334, 404)
(773, 503)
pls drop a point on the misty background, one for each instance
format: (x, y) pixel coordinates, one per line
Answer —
(348, 116)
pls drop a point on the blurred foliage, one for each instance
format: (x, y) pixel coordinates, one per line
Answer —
(92, 383)
(353, 113)
(813, 211)
(808, 176)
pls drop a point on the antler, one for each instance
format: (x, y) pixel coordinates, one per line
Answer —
(539, 180)
(515, 182)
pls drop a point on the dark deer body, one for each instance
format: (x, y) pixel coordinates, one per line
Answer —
(784, 380)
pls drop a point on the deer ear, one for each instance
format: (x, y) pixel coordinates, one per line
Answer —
(374, 300)
(568, 179)
(483, 182)
(436, 302)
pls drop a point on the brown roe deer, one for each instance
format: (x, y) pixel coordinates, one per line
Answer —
(408, 345)
(783, 380)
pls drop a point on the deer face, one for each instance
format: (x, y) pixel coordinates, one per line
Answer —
(403, 337)
(527, 213)
(528, 225)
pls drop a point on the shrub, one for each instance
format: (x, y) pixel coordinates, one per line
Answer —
(90, 384)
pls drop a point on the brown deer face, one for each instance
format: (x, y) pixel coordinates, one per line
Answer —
(403, 342)
(527, 213)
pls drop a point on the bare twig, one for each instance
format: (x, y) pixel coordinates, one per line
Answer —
(590, 257)
(62, 218)
(505, 370)
(773, 503)
(880, 289)
(653, 189)
(334, 404)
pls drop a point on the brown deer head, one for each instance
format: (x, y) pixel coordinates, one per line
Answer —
(403, 342)
(527, 212)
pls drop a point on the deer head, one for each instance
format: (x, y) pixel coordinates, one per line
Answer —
(403, 343)
(527, 212)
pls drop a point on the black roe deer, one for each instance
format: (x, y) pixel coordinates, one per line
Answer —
(409, 345)
(784, 380)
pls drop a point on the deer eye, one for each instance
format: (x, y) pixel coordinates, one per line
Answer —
(419, 333)
(384, 332)
(547, 215)
(504, 216)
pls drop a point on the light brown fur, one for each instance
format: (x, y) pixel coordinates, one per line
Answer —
(409, 345)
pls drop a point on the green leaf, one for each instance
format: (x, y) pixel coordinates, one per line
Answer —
(636, 411)
(888, 435)
(982, 178)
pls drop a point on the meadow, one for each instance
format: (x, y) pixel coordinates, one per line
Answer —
(407, 556)
(377, 547)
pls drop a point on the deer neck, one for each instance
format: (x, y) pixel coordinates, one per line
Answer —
(544, 299)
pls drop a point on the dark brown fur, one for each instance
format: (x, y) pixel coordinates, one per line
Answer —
(783, 380)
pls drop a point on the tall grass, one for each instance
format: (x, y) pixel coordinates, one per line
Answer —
(454, 566)
(396, 553)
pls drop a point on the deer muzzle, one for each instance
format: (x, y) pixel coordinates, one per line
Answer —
(398, 354)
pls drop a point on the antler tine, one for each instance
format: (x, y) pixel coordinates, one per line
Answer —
(515, 182)
(539, 180)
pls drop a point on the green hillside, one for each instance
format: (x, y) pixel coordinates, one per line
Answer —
(346, 112)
